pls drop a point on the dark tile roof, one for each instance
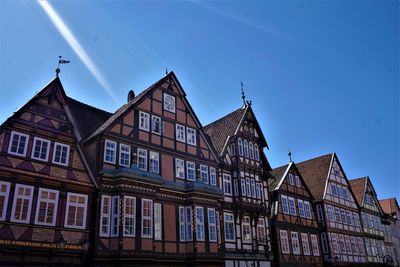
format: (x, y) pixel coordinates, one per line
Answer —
(275, 176)
(389, 205)
(358, 187)
(315, 172)
(87, 118)
(221, 129)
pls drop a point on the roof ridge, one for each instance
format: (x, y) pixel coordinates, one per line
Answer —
(87, 105)
(318, 157)
(213, 122)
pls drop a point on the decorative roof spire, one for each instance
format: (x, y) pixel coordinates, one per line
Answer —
(166, 71)
(290, 156)
(243, 96)
(60, 61)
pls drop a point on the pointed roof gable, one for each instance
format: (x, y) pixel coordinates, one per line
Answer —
(358, 186)
(277, 176)
(315, 173)
(222, 129)
(389, 205)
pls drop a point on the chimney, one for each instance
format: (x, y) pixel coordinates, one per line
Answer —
(131, 95)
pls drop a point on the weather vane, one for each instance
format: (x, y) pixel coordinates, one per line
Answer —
(166, 71)
(61, 61)
(243, 96)
(290, 155)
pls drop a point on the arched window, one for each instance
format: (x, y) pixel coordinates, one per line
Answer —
(246, 148)
(240, 147)
(251, 150)
(256, 152)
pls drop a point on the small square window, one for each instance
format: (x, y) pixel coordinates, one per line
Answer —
(109, 151)
(180, 133)
(142, 159)
(144, 121)
(124, 155)
(41, 149)
(61, 154)
(179, 168)
(156, 124)
(191, 136)
(18, 144)
(191, 171)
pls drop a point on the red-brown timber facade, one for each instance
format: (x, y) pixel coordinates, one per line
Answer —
(294, 226)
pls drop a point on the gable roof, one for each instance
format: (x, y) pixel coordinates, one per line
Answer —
(315, 173)
(277, 176)
(359, 186)
(389, 205)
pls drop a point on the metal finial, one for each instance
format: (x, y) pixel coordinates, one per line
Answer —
(290, 155)
(243, 96)
(61, 61)
(166, 71)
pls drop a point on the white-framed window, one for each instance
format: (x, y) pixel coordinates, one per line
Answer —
(360, 246)
(256, 152)
(46, 209)
(4, 194)
(157, 221)
(354, 246)
(335, 244)
(292, 206)
(337, 215)
(115, 216)
(18, 144)
(109, 151)
(294, 236)
(180, 168)
(22, 204)
(235, 187)
(61, 154)
(154, 162)
(204, 173)
(227, 184)
(156, 126)
(191, 136)
(284, 241)
(213, 176)
(349, 217)
(261, 237)
(307, 208)
(334, 189)
(251, 150)
(41, 148)
(199, 223)
(144, 121)
(314, 244)
(105, 213)
(129, 216)
(240, 147)
(182, 224)
(246, 230)
(330, 213)
(305, 243)
(300, 205)
(253, 188)
(142, 159)
(243, 186)
(248, 188)
(285, 204)
(189, 227)
(258, 190)
(147, 218)
(297, 179)
(342, 244)
(246, 148)
(124, 155)
(343, 216)
(291, 182)
(169, 103)
(229, 227)
(75, 215)
(212, 225)
(191, 171)
(180, 133)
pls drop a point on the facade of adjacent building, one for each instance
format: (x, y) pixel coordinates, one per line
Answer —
(371, 214)
(337, 211)
(391, 209)
(294, 227)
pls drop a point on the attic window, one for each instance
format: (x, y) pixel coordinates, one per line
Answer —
(169, 103)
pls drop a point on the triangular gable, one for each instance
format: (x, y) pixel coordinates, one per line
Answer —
(249, 114)
(369, 187)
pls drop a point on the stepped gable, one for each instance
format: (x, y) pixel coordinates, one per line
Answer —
(315, 172)
(358, 186)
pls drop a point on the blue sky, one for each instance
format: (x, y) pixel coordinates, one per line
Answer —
(323, 75)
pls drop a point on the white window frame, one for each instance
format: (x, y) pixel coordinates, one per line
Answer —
(256, 152)
(329, 210)
(126, 152)
(292, 210)
(314, 244)
(213, 176)
(258, 190)
(147, 217)
(56, 144)
(6, 195)
(297, 180)
(291, 179)
(253, 188)
(229, 219)
(191, 136)
(157, 221)
(105, 215)
(112, 151)
(227, 184)
(191, 171)
(78, 205)
(204, 173)
(13, 133)
(285, 207)
(300, 205)
(283, 235)
(154, 121)
(182, 224)
(174, 103)
(24, 199)
(243, 186)
(115, 204)
(179, 163)
(246, 230)
(251, 151)
(142, 154)
(180, 133)
(212, 225)
(129, 216)
(154, 162)
(305, 244)
(307, 209)
(246, 149)
(200, 231)
(240, 147)
(47, 201)
(248, 187)
(35, 140)
(294, 237)
(261, 229)
(144, 121)
(235, 187)
(189, 224)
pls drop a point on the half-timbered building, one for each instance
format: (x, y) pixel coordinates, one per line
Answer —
(342, 241)
(46, 187)
(239, 142)
(390, 207)
(294, 225)
(371, 214)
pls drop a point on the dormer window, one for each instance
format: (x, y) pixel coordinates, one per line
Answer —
(169, 103)
(18, 144)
